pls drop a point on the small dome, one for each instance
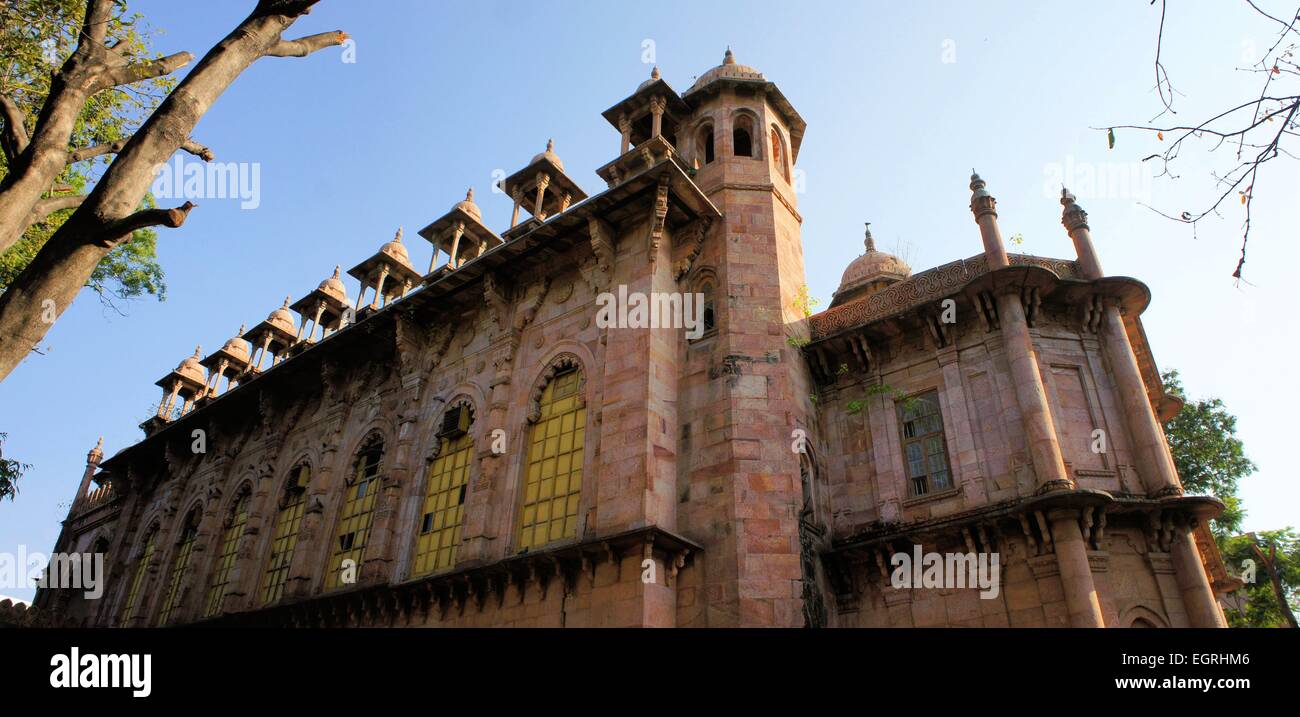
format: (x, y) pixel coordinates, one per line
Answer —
(282, 318)
(727, 70)
(468, 206)
(654, 77)
(549, 154)
(872, 267)
(395, 249)
(237, 346)
(334, 287)
(191, 369)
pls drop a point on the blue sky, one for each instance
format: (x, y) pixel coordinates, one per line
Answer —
(901, 100)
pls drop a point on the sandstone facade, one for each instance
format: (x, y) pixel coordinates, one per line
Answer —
(474, 448)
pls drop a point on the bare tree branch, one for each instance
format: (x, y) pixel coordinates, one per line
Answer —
(80, 155)
(50, 205)
(114, 231)
(131, 72)
(304, 46)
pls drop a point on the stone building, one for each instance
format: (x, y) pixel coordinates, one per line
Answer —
(472, 446)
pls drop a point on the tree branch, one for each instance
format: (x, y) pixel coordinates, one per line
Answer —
(14, 139)
(114, 231)
(84, 153)
(50, 205)
(304, 46)
(128, 73)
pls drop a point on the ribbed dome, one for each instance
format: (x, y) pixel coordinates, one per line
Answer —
(873, 266)
(237, 347)
(282, 318)
(191, 369)
(654, 77)
(395, 249)
(727, 70)
(549, 154)
(468, 206)
(334, 287)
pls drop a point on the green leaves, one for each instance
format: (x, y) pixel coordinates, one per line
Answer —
(10, 472)
(37, 37)
(1207, 453)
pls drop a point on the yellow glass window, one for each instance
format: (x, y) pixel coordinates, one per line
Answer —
(179, 565)
(226, 559)
(137, 581)
(553, 483)
(358, 513)
(285, 539)
(438, 533)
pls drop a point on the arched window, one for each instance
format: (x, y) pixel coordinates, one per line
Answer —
(779, 154)
(180, 563)
(438, 533)
(235, 523)
(137, 580)
(553, 482)
(742, 137)
(704, 143)
(357, 515)
(287, 521)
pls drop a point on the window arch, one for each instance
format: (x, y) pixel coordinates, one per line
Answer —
(180, 563)
(553, 476)
(742, 136)
(706, 291)
(137, 580)
(236, 522)
(704, 143)
(288, 520)
(438, 531)
(358, 511)
(779, 155)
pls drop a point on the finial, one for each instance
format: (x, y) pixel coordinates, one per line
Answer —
(337, 268)
(96, 454)
(550, 145)
(198, 351)
(241, 330)
(654, 74)
(100, 445)
(728, 59)
(469, 195)
(286, 303)
(1067, 197)
(398, 238)
(871, 242)
(976, 184)
(1073, 216)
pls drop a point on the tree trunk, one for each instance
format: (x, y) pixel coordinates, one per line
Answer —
(45, 289)
(1278, 592)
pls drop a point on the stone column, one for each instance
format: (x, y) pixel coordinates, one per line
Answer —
(1076, 574)
(543, 181)
(1198, 597)
(379, 288)
(625, 130)
(457, 233)
(514, 214)
(1036, 419)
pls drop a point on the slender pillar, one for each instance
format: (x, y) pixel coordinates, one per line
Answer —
(1076, 574)
(433, 263)
(543, 181)
(1198, 597)
(984, 206)
(514, 214)
(320, 309)
(657, 106)
(625, 131)
(457, 233)
(379, 288)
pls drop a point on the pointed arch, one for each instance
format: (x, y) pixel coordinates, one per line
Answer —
(446, 482)
(553, 474)
(357, 513)
(291, 502)
(148, 548)
(180, 565)
(232, 532)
